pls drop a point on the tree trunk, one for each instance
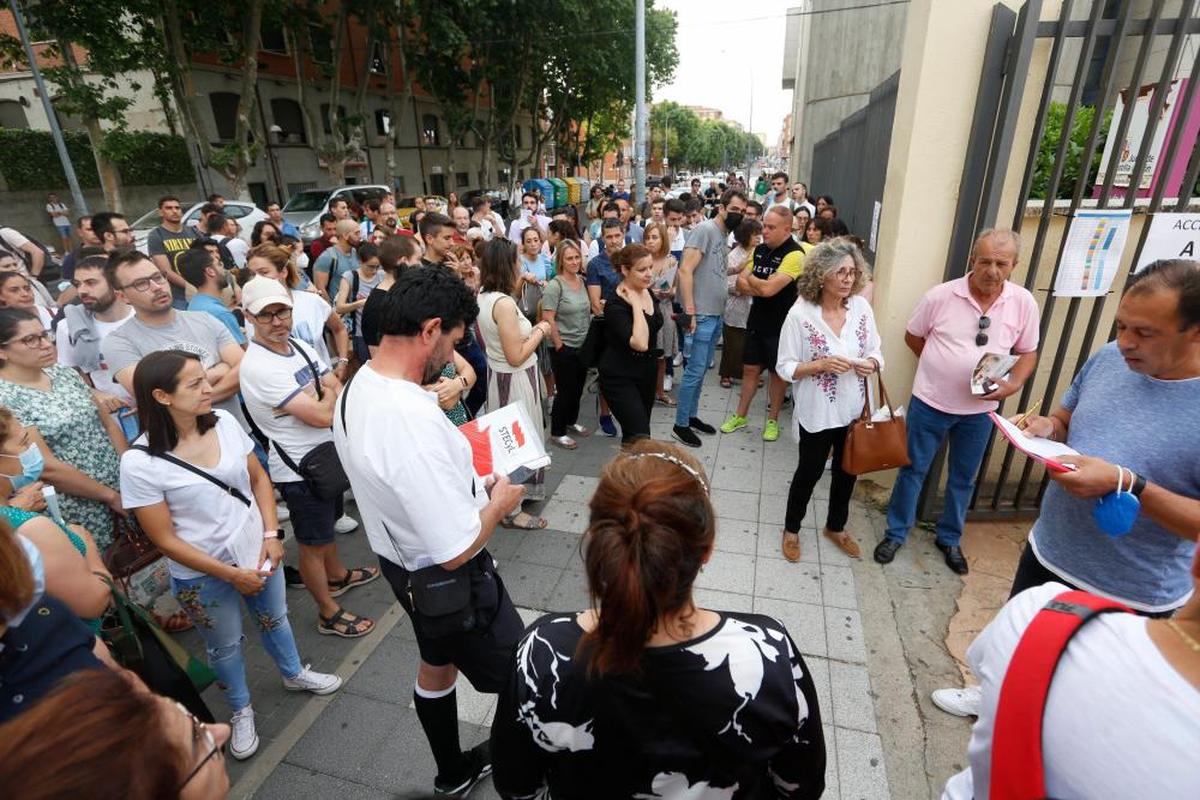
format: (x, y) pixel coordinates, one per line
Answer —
(396, 101)
(182, 84)
(110, 176)
(247, 121)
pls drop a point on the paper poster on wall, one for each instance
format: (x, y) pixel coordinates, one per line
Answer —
(1092, 254)
(1170, 236)
(1126, 151)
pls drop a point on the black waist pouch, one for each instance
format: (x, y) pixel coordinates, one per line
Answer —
(448, 602)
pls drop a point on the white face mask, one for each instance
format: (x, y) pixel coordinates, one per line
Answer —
(39, 581)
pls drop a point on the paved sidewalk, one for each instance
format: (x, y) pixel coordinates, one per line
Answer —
(365, 741)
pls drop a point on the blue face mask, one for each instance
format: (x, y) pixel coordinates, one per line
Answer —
(1116, 512)
(39, 581)
(32, 464)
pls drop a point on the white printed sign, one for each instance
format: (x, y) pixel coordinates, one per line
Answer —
(1171, 236)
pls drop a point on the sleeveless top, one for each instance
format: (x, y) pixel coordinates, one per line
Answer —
(490, 332)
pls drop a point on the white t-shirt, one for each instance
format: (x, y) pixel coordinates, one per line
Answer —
(269, 381)
(58, 215)
(238, 249)
(1119, 722)
(203, 515)
(102, 378)
(410, 469)
(309, 315)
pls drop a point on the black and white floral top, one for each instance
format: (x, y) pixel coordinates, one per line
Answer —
(730, 714)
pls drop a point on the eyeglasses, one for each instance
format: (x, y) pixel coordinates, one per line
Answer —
(981, 338)
(144, 284)
(847, 273)
(267, 317)
(32, 340)
(203, 736)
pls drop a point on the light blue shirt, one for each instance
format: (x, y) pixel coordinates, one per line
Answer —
(1152, 427)
(211, 305)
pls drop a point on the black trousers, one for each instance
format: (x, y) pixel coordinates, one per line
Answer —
(815, 448)
(1031, 572)
(569, 377)
(630, 395)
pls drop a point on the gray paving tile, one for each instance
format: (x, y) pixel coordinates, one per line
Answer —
(404, 764)
(737, 536)
(735, 505)
(576, 487)
(290, 782)
(777, 480)
(853, 706)
(390, 672)
(844, 634)
(837, 584)
(730, 572)
(570, 593)
(343, 740)
(805, 623)
(547, 548)
(831, 773)
(504, 544)
(530, 585)
(732, 476)
(717, 600)
(770, 538)
(862, 774)
(784, 580)
(772, 508)
(819, 669)
(570, 516)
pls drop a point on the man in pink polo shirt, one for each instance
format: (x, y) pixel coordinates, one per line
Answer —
(955, 324)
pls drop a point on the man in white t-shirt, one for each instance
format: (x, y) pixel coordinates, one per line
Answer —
(81, 334)
(426, 513)
(289, 395)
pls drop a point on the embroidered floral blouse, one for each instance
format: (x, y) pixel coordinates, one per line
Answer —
(826, 400)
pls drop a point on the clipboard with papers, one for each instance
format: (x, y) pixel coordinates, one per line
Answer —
(1048, 452)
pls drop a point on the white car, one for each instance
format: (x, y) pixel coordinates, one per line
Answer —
(246, 213)
(305, 208)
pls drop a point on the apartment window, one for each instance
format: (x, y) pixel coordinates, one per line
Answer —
(322, 47)
(378, 64)
(431, 130)
(288, 115)
(437, 184)
(272, 40)
(341, 113)
(383, 121)
(12, 115)
(461, 179)
(224, 108)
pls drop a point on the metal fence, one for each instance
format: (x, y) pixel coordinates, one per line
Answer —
(1105, 49)
(850, 164)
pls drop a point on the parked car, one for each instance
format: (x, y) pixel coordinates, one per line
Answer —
(305, 208)
(246, 213)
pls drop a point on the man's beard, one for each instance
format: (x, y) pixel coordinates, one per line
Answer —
(433, 370)
(102, 304)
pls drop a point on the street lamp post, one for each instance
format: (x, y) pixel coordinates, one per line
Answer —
(639, 151)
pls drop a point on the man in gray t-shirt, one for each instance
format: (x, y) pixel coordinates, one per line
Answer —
(157, 326)
(703, 290)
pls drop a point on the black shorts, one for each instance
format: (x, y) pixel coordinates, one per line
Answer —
(484, 655)
(761, 350)
(312, 518)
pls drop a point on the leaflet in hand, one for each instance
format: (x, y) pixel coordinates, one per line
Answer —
(505, 440)
(991, 366)
(1049, 452)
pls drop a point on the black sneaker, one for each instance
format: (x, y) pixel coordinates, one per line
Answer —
(479, 766)
(685, 435)
(291, 576)
(885, 551)
(697, 424)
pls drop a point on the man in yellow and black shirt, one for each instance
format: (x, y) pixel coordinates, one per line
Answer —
(770, 279)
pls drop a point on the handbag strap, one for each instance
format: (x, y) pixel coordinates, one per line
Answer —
(284, 457)
(179, 462)
(884, 401)
(1018, 770)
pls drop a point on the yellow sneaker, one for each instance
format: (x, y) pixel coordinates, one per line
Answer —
(771, 431)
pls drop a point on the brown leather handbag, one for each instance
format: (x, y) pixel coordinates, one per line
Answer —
(131, 550)
(873, 446)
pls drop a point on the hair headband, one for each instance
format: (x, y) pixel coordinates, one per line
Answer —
(677, 462)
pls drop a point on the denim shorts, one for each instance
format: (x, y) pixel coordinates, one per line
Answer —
(312, 519)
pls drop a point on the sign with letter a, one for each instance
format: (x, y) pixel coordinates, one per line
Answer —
(1171, 236)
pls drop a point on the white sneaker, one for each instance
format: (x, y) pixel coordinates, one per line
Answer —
(315, 682)
(668, 383)
(281, 513)
(243, 742)
(678, 361)
(346, 524)
(959, 702)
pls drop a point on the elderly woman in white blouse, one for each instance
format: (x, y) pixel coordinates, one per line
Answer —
(828, 347)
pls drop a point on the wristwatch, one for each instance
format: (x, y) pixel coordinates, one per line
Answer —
(1139, 484)
(275, 534)
(337, 362)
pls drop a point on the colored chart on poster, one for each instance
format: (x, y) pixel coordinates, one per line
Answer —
(1092, 256)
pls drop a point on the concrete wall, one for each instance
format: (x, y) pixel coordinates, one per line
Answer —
(26, 211)
(844, 55)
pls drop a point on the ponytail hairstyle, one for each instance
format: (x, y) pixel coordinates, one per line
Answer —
(652, 527)
(282, 258)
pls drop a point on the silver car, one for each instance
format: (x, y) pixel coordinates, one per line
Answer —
(246, 213)
(305, 208)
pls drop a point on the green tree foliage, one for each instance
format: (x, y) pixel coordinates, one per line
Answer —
(1048, 147)
(696, 143)
(28, 160)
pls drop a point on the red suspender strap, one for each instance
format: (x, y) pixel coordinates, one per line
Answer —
(1017, 769)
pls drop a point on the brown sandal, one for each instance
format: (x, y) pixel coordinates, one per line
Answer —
(845, 543)
(791, 546)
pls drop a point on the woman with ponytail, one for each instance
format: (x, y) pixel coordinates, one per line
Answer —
(646, 694)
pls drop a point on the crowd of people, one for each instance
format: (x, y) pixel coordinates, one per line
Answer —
(193, 396)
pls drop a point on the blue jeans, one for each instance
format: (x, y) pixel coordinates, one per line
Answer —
(927, 429)
(213, 605)
(704, 342)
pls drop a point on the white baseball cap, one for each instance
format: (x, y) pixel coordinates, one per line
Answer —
(261, 291)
